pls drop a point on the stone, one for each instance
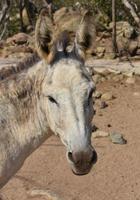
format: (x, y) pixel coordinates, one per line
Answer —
(20, 48)
(46, 193)
(99, 133)
(115, 71)
(107, 96)
(102, 70)
(97, 94)
(117, 138)
(131, 80)
(129, 73)
(103, 79)
(19, 39)
(137, 71)
(118, 78)
(123, 29)
(133, 47)
(103, 105)
(100, 51)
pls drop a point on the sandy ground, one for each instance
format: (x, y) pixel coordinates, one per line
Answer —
(116, 176)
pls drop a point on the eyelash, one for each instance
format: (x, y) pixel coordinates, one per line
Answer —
(91, 93)
(51, 99)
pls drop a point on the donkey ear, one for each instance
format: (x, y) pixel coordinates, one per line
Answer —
(43, 35)
(85, 36)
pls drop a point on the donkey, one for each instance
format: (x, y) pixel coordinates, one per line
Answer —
(53, 95)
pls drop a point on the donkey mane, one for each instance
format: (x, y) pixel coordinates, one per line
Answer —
(25, 79)
(7, 73)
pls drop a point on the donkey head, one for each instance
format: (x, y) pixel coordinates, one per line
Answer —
(67, 90)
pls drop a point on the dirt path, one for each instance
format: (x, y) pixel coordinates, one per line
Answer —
(116, 176)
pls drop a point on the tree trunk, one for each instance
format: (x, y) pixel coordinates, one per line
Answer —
(4, 17)
(114, 43)
(28, 11)
(132, 11)
(6, 6)
(21, 3)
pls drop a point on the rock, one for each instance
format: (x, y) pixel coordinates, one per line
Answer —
(19, 39)
(103, 79)
(99, 133)
(107, 96)
(97, 94)
(123, 29)
(129, 73)
(100, 51)
(46, 193)
(133, 47)
(18, 49)
(131, 80)
(103, 105)
(117, 138)
(118, 78)
(115, 71)
(102, 70)
(137, 71)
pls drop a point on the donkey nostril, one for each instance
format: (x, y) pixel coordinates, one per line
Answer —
(70, 156)
(94, 157)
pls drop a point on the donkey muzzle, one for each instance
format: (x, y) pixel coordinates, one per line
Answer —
(82, 161)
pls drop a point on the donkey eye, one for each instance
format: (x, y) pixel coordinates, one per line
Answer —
(51, 99)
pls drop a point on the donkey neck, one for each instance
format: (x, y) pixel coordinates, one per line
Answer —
(23, 125)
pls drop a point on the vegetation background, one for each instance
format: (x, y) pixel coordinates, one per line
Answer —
(11, 11)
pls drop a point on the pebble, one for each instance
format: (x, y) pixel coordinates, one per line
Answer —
(117, 138)
(131, 80)
(97, 94)
(103, 79)
(103, 105)
(107, 96)
(129, 73)
(46, 193)
(99, 133)
(118, 78)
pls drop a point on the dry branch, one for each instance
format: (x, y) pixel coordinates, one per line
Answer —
(4, 11)
(132, 11)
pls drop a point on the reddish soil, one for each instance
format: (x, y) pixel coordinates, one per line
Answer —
(116, 175)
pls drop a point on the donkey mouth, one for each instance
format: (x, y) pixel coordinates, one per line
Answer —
(81, 170)
(80, 173)
(82, 167)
